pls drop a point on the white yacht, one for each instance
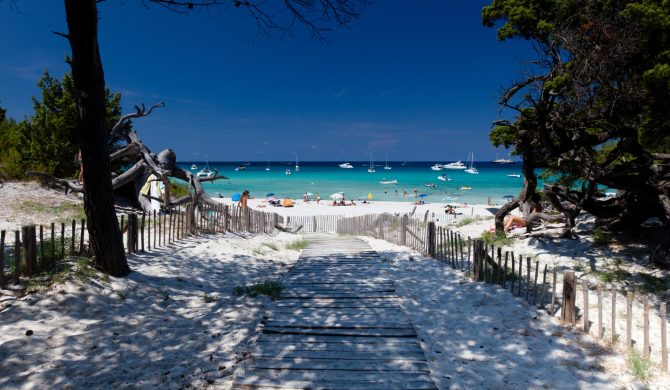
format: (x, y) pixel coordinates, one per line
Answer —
(436, 167)
(444, 178)
(454, 165)
(205, 172)
(430, 185)
(514, 175)
(297, 167)
(502, 160)
(346, 166)
(471, 169)
(240, 168)
(288, 172)
(392, 181)
(194, 167)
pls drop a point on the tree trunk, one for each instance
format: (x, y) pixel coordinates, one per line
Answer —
(89, 84)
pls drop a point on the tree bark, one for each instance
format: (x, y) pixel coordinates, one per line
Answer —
(89, 84)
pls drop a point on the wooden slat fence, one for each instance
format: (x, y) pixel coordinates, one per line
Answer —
(313, 223)
(34, 250)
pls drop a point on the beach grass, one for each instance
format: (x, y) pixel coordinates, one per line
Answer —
(270, 288)
(271, 245)
(297, 245)
(639, 367)
(63, 212)
(496, 239)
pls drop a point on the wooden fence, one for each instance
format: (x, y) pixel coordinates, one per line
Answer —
(554, 290)
(33, 250)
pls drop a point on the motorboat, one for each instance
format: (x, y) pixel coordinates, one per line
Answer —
(514, 175)
(436, 167)
(503, 160)
(346, 166)
(194, 167)
(268, 167)
(288, 172)
(454, 165)
(372, 165)
(471, 169)
(465, 188)
(240, 168)
(430, 185)
(205, 172)
(392, 181)
(443, 178)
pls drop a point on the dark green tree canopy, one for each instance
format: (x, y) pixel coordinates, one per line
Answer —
(48, 140)
(594, 109)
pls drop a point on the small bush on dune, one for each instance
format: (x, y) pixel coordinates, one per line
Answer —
(496, 239)
(297, 245)
(638, 365)
(270, 288)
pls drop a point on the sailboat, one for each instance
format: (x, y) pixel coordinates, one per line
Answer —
(372, 165)
(297, 167)
(387, 163)
(268, 168)
(471, 169)
(205, 172)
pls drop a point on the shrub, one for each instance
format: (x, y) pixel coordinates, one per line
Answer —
(601, 237)
(496, 239)
(270, 288)
(297, 245)
(638, 365)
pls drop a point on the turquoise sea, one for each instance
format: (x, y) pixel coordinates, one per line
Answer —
(326, 178)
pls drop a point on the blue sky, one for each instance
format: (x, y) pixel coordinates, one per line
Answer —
(418, 81)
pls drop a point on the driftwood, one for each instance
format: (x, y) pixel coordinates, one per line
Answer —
(163, 166)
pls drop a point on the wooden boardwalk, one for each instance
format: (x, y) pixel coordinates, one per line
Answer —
(338, 325)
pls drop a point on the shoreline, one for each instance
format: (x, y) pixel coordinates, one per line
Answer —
(325, 207)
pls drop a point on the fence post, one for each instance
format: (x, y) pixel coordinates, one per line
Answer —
(613, 315)
(142, 230)
(629, 321)
(569, 292)
(32, 231)
(585, 292)
(664, 345)
(74, 236)
(2, 259)
(131, 234)
(645, 323)
(81, 239)
(17, 256)
(403, 230)
(431, 239)
(25, 248)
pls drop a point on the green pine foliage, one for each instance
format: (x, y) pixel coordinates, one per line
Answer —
(48, 140)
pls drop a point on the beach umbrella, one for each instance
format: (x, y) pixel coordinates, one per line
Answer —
(270, 194)
(337, 195)
(508, 197)
(236, 197)
(287, 203)
(369, 195)
(422, 195)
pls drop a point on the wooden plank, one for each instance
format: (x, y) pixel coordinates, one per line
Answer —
(613, 335)
(334, 364)
(383, 332)
(352, 346)
(333, 339)
(309, 379)
(569, 294)
(339, 355)
(371, 323)
(645, 327)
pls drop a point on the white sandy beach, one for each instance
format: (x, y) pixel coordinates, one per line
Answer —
(174, 321)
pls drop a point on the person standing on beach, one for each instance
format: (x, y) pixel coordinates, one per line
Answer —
(318, 198)
(416, 193)
(396, 193)
(244, 198)
(384, 189)
(404, 193)
(81, 167)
